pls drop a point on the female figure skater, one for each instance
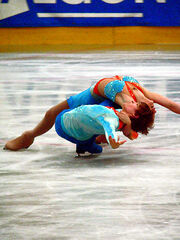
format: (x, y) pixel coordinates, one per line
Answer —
(83, 124)
(118, 89)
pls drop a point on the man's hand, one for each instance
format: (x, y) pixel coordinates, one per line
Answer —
(124, 118)
(127, 131)
(115, 144)
(127, 121)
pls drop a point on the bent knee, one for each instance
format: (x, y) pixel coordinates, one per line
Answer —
(54, 111)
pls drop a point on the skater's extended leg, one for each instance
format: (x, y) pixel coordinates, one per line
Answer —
(27, 138)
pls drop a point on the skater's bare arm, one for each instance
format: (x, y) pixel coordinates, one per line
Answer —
(163, 101)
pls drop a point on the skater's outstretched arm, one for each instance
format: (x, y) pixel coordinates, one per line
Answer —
(163, 101)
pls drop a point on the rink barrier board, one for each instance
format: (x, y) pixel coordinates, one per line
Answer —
(60, 38)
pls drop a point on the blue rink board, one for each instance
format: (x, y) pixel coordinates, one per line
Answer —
(38, 13)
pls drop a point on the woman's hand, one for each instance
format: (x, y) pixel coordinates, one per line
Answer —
(115, 144)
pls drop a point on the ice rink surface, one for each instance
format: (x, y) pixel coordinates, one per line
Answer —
(47, 193)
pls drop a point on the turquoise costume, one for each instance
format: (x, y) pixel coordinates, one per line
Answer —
(92, 96)
(84, 98)
(83, 124)
(116, 86)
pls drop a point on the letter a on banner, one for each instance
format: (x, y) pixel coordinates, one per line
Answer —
(12, 7)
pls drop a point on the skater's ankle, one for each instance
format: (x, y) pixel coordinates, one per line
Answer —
(28, 134)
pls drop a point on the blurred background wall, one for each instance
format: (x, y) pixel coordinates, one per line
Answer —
(42, 25)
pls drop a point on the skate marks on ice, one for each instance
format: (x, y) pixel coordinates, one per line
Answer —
(48, 193)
